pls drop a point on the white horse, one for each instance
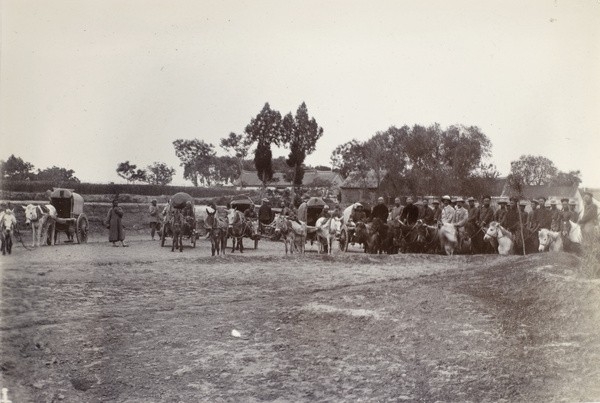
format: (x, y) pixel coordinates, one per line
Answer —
(42, 219)
(506, 243)
(448, 238)
(550, 240)
(327, 230)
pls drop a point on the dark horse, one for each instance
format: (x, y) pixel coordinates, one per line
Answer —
(217, 229)
(177, 228)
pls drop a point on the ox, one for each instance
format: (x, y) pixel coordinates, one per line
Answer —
(505, 240)
(42, 219)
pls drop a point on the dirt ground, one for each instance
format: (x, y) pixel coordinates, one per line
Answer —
(94, 323)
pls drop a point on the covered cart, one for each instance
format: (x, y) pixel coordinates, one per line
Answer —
(309, 212)
(70, 216)
(176, 209)
(348, 225)
(243, 203)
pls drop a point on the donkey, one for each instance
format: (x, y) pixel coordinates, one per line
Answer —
(42, 219)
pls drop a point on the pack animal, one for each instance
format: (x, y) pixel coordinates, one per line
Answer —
(505, 240)
(42, 220)
(217, 229)
(293, 234)
(447, 238)
(327, 231)
(177, 228)
(8, 225)
(237, 229)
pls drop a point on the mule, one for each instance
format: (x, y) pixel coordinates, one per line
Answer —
(217, 229)
(8, 225)
(42, 219)
(327, 231)
(505, 240)
(448, 238)
(409, 239)
(237, 229)
(293, 234)
(177, 229)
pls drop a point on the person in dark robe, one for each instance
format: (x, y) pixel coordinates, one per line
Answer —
(116, 233)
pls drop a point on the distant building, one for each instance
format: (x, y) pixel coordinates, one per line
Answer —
(360, 187)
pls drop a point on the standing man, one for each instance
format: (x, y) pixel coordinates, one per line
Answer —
(397, 209)
(473, 212)
(448, 212)
(380, 210)
(532, 223)
(410, 213)
(154, 219)
(511, 220)
(589, 217)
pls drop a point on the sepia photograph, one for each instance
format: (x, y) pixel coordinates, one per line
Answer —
(299, 201)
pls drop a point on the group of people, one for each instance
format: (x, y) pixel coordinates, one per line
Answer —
(465, 213)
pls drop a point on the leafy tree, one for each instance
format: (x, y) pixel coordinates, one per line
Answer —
(159, 173)
(532, 170)
(349, 157)
(196, 159)
(130, 172)
(237, 146)
(57, 175)
(265, 129)
(301, 135)
(322, 168)
(14, 168)
(571, 178)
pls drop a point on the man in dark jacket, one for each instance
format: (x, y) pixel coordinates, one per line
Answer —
(544, 216)
(486, 213)
(410, 213)
(427, 213)
(380, 210)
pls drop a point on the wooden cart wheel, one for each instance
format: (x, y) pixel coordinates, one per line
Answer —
(81, 229)
(343, 240)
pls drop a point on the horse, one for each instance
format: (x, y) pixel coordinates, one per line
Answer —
(42, 219)
(177, 228)
(390, 243)
(447, 237)
(550, 240)
(409, 240)
(292, 232)
(572, 235)
(217, 229)
(8, 225)
(378, 232)
(506, 243)
(237, 229)
(428, 238)
(252, 231)
(476, 233)
(327, 230)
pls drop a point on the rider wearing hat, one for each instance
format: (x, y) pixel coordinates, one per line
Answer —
(460, 220)
(427, 213)
(486, 213)
(554, 216)
(437, 211)
(544, 217)
(358, 213)
(574, 214)
(500, 214)
(473, 211)
(448, 212)
(589, 216)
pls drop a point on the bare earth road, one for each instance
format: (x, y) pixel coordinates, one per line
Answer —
(93, 323)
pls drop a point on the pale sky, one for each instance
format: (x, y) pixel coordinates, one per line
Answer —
(88, 84)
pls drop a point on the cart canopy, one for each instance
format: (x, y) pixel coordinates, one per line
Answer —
(179, 199)
(241, 202)
(68, 204)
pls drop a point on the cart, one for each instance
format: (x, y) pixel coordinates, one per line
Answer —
(311, 209)
(348, 226)
(243, 203)
(178, 202)
(70, 217)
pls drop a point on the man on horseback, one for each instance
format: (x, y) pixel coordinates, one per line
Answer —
(427, 213)
(574, 214)
(461, 217)
(380, 210)
(397, 209)
(554, 216)
(448, 212)
(437, 211)
(410, 213)
(500, 214)
(544, 216)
